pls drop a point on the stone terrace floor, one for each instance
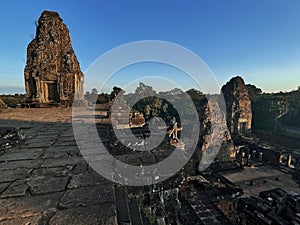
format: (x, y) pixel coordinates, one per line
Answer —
(264, 177)
(45, 180)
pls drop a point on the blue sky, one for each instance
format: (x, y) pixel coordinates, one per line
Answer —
(257, 39)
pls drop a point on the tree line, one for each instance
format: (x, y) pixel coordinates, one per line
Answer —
(273, 112)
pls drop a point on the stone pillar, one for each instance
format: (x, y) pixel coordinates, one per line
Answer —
(81, 90)
(243, 158)
(236, 152)
(280, 160)
(253, 154)
(45, 91)
(289, 160)
(260, 156)
(297, 167)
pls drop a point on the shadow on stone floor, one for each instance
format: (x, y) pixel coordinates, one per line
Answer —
(45, 180)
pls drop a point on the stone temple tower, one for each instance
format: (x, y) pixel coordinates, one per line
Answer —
(52, 73)
(238, 107)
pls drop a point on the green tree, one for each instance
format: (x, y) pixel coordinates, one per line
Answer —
(144, 90)
(116, 90)
(103, 98)
(195, 95)
(93, 96)
(253, 92)
(279, 107)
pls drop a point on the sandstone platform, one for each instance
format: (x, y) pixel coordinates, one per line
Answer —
(44, 180)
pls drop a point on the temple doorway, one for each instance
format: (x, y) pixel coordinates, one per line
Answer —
(52, 92)
(243, 128)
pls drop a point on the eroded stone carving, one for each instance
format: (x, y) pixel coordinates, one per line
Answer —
(52, 72)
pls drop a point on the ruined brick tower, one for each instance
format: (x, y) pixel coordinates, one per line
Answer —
(238, 107)
(52, 72)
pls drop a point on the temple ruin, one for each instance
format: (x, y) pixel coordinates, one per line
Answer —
(52, 73)
(238, 107)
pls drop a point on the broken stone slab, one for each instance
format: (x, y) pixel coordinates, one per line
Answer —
(104, 214)
(132, 159)
(162, 154)
(67, 135)
(134, 211)
(81, 168)
(40, 219)
(42, 185)
(16, 189)
(67, 161)
(22, 220)
(3, 186)
(41, 144)
(28, 206)
(88, 179)
(22, 154)
(61, 151)
(66, 138)
(15, 174)
(84, 196)
(41, 139)
(9, 137)
(122, 204)
(51, 172)
(20, 164)
(65, 143)
(147, 158)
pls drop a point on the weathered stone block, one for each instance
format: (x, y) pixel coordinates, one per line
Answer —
(14, 174)
(41, 185)
(27, 206)
(20, 164)
(87, 196)
(21, 220)
(51, 172)
(88, 179)
(25, 154)
(16, 189)
(67, 161)
(61, 151)
(104, 214)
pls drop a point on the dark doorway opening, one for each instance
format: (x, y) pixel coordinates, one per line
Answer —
(52, 92)
(243, 128)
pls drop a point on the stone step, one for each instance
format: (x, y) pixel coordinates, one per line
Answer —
(134, 211)
(128, 211)
(122, 205)
(201, 209)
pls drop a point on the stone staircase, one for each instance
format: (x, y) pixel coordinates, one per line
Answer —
(145, 205)
(128, 209)
(163, 203)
